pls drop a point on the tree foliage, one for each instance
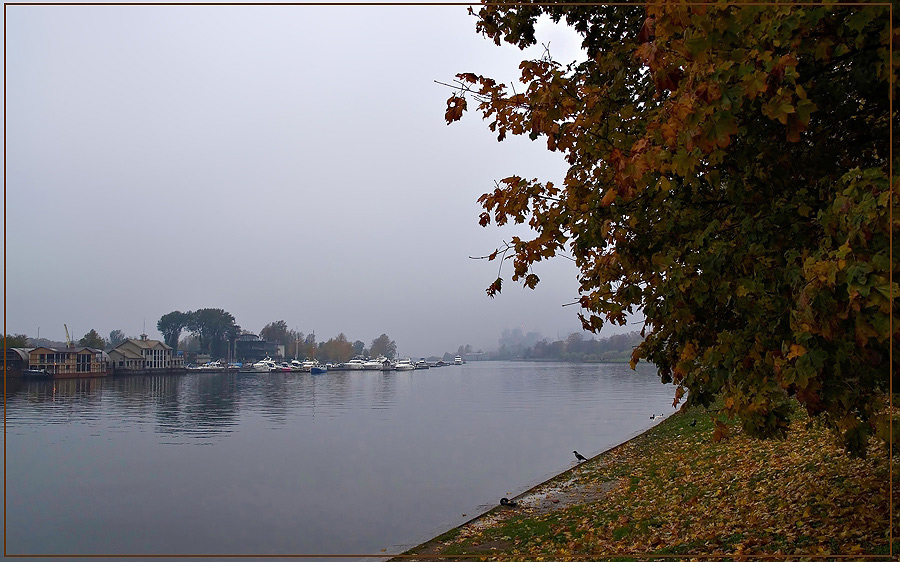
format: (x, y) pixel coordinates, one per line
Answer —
(728, 178)
(617, 347)
(212, 326)
(18, 340)
(383, 345)
(93, 340)
(116, 337)
(338, 349)
(170, 326)
(276, 332)
(307, 347)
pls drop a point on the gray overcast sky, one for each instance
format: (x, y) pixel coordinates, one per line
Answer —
(280, 162)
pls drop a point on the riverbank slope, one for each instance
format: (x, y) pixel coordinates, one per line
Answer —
(674, 491)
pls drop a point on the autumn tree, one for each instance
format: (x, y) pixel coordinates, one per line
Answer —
(729, 179)
(295, 347)
(170, 326)
(337, 349)
(306, 346)
(383, 345)
(93, 340)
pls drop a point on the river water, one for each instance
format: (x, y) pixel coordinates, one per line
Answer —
(290, 463)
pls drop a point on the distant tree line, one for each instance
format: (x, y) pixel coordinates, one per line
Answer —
(91, 339)
(574, 348)
(214, 332)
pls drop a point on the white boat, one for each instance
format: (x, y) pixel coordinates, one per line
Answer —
(404, 365)
(375, 364)
(309, 364)
(457, 360)
(266, 365)
(422, 364)
(355, 364)
(36, 373)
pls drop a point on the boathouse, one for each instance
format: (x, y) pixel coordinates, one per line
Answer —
(68, 362)
(144, 355)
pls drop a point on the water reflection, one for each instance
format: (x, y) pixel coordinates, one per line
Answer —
(384, 391)
(296, 463)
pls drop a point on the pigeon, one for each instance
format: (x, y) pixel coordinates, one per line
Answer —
(693, 423)
(579, 456)
(507, 502)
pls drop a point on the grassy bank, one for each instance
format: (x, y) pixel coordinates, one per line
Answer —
(673, 491)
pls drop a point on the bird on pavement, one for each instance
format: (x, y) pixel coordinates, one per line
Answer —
(507, 502)
(579, 456)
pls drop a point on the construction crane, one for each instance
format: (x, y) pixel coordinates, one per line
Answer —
(68, 340)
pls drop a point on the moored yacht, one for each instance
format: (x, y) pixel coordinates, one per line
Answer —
(422, 364)
(262, 366)
(355, 364)
(375, 364)
(404, 365)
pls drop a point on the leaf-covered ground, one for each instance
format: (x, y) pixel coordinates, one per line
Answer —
(674, 491)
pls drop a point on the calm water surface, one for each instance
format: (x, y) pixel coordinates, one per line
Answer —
(343, 463)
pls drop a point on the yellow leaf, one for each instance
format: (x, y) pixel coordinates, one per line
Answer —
(609, 197)
(796, 351)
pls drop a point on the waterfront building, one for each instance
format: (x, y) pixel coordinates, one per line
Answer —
(249, 347)
(144, 355)
(68, 362)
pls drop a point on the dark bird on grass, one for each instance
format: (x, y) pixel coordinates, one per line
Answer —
(579, 456)
(693, 423)
(507, 502)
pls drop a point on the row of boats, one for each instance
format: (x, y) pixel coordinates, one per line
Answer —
(269, 365)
